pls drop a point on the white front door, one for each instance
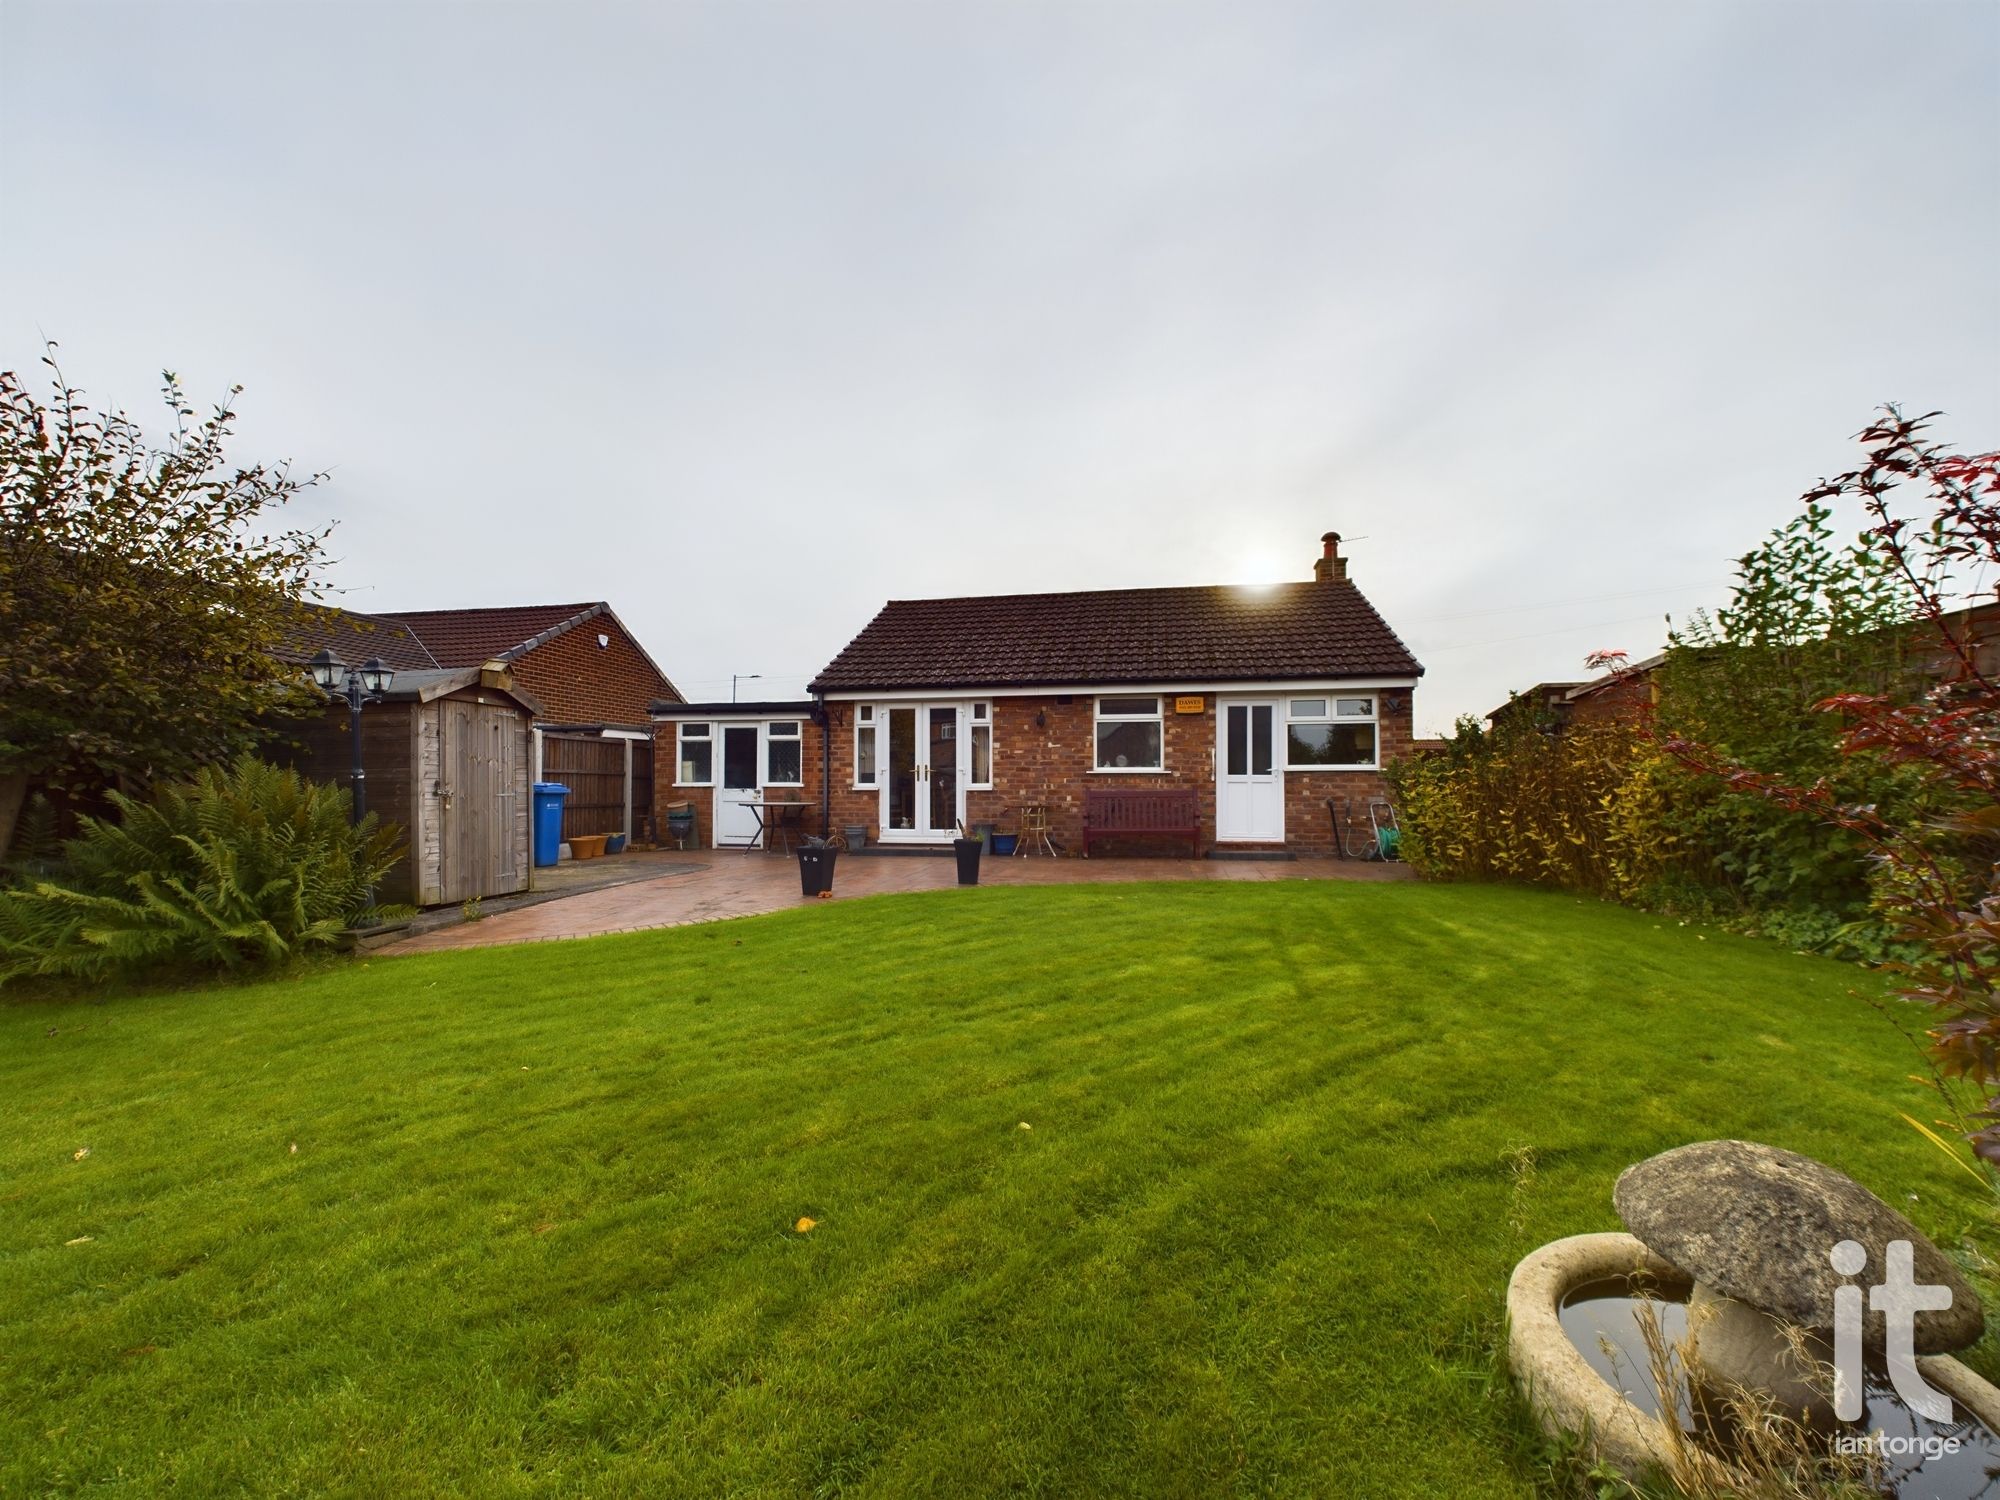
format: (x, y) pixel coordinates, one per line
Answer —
(923, 788)
(1249, 781)
(735, 824)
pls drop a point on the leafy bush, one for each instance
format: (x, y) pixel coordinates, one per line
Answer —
(1579, 810)
(1933, 852)
(246, 866)
(1620, 811)
(1810, 618)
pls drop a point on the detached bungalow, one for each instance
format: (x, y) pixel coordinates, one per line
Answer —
(1254, 706)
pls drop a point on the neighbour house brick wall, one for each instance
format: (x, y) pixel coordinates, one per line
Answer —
(581, 682)
(1623, 700)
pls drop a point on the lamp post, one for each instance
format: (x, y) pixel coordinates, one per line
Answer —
(736, 677)
(359, 686)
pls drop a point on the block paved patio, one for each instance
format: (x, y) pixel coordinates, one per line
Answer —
(745, 885)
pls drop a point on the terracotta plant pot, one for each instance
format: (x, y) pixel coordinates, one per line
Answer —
(587, 846)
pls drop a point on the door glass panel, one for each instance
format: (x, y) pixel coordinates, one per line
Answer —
(902, 767)
(1260, 739)
(944, 769)
(1239, 739)
(739, 758)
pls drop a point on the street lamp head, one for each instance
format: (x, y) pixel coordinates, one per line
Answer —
(375, 677)
(326, 669)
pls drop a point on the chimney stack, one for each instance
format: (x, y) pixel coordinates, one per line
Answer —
(1331, 566)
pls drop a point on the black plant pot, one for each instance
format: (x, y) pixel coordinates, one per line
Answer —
(816, 870)
(967, 851)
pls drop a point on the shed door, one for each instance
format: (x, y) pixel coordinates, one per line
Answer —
(480, 759)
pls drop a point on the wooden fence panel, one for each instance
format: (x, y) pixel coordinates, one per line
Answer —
(594, 771)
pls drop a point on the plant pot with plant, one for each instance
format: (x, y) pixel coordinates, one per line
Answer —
(816, 857)
(967, 848)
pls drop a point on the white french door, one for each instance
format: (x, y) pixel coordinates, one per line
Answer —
(923, 780)
(1249, 781)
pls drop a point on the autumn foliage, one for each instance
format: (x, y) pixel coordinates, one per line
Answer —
(1935, 857)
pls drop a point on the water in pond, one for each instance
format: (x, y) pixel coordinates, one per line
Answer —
(1922, 1460)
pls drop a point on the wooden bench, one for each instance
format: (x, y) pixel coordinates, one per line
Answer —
(1129, 812)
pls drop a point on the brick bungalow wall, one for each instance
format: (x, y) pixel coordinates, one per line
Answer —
(666, 766)
(1051, 761)
(581, 682)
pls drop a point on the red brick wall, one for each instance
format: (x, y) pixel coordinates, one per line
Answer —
(1622, 701)
(666, 766)
(581, 682)
(1051, 761)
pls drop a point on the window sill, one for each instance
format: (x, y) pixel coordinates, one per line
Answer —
(1130, 771)
(1371, 766)
(695, 786)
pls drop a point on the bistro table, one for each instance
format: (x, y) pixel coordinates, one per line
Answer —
(764, 825)
(1034, 829)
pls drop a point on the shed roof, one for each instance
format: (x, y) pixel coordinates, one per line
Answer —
(425, 685)
(1214, 633)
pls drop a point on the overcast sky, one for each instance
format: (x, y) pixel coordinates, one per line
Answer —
(747, 318)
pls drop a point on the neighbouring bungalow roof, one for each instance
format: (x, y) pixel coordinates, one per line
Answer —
(1216, 633)
(469, 637)
(1547, 696)
(769, 708)
(354, 638)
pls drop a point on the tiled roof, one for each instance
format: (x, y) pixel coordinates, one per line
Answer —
(472, 637)
(1212, 634)
(354, 638)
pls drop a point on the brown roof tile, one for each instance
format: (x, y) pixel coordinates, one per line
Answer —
(473, 637)
(1213, 634)
(353, 638)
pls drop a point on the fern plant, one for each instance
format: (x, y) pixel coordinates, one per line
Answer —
(246, 866)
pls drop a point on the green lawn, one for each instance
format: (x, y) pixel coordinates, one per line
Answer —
(537, 1233)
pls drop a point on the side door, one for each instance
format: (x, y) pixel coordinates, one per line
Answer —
(1249, 782)
(739, 782)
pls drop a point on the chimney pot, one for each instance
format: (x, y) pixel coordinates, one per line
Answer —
(1331, 567)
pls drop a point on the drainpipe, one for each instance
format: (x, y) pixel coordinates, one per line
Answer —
(819, 717)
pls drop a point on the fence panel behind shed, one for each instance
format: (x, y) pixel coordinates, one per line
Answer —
(594, 771)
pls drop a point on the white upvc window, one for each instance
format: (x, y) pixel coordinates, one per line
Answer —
(1334, 732)
(696, 758)
(865, 746)
(982, 747)
(784, 753)
(1131, 734)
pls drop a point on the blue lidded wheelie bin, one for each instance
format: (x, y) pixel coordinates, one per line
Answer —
(549, 797)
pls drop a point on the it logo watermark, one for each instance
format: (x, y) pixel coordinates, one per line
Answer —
(1899, 1299)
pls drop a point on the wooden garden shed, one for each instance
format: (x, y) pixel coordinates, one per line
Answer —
(447, 754)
